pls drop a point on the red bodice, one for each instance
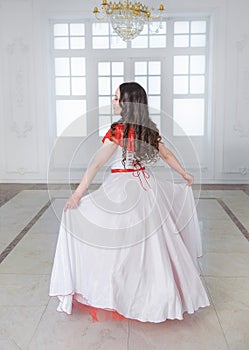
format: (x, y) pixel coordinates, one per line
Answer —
(117, 137)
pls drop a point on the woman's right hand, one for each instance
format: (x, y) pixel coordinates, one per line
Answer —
(72, 202)
(189, 178)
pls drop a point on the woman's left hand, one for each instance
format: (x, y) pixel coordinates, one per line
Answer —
(72, 202)
(189, 178)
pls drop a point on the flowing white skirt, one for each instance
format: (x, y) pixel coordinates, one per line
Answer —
(131, 246)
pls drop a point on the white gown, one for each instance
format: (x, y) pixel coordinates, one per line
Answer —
(131, 246)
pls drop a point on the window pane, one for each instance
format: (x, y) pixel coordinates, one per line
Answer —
(116, 81)
(140, 68)
(117, 43)
(100, 28)
(189, 69)
(198, 40)
(101, 42)
(104, 101)
(77, 29)
(61, 43)
(156, 119)
(61, 29)
(180, 85)
(181, 27)
(104, 68)
(157, 41)
(197, 64)
(140, 42)
(105, 110)
(115, 118)
(62, 66)
(78, 86)
(198, 27)
(62, 86)
(77, 43)
(145, 30)
(104, 124)
(197, 85)
(181, 40)
(142, 81)
(181, 65)
(155, 103)
(71, 119)
(104, 86)
(162, 28)
(154, 68)
(154, 85)
(78, 66)
(104, 105)
(188, 117)
(117, 68)
(112, 32)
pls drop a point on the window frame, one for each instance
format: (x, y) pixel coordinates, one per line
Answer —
(166, 54)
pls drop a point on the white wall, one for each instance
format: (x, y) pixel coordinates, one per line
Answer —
(24, 85)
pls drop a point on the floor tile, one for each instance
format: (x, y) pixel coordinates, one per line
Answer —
(222, 193)
(33, 255)
(224, 243)
(18, 212)
(49, 222)
(226, 265)
(8, 344)
(29, 319)
(245, 223)
(218, 227)
(3, 245)
(198, 331)
(24, 290)
(239, 201)
(231, 300)
(77, 331)
(210, 209)
(18, 324)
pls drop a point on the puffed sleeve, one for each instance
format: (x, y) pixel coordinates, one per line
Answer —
(115, 135)
(107, 136)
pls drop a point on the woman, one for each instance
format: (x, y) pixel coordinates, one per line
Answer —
(131, 246)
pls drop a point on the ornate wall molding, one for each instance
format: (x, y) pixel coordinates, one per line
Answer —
(21, 131)
(244, 170)
(240, 131)
(17, 45)
(241, 125)
(21, 171)
(18, 57)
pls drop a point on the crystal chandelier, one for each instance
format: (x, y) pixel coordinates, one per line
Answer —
(127, 17)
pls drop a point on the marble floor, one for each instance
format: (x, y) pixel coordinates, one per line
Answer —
(30, 217)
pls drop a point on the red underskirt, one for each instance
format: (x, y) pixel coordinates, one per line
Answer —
(97, 314)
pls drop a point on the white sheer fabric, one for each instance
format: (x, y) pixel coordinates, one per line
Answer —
(131, 249)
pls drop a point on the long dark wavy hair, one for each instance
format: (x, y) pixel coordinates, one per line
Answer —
(135, 114)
